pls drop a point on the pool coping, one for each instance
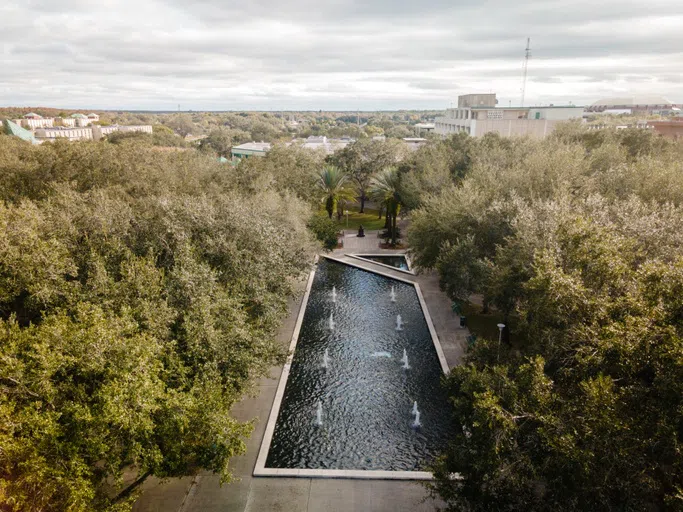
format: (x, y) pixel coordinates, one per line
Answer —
(260, 468)
(360, 256)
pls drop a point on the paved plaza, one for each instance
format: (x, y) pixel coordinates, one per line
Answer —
(263, 494)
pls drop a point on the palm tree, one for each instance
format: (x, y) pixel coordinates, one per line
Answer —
(332, 185)
(385, 188)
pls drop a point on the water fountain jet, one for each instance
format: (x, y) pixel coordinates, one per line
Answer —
(399, 323)
(404, 360)
(319, 414)
(331, 322)
(326, 359)
(334, 294)
(416, 423)
(393, 294)
(414, 411)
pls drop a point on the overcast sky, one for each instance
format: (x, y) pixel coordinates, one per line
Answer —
(333, 54)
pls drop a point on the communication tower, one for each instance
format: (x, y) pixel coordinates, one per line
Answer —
(527, 54)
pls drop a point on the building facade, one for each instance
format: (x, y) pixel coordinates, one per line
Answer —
(33, 121)
(329, 146)
(636, 105)
(81, 119)
(423, 128)
(60, 132)
(478, 115)
(249, 149)
(94, 132)
(673, 129)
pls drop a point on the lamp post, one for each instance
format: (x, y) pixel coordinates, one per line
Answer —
(500, 337)
(346, 212)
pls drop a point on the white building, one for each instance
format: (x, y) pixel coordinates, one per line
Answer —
(249, 149)
(94, 132)
(640, 104)
(69, 122)
(81, 119)
(33, 121)
(60, 132)
(329, 146)
(421, 128)
(477, 115)
(100, 131)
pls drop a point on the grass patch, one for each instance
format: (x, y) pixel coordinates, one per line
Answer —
(368, 219)
(483, 325)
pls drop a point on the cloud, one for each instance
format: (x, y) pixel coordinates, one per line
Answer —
(337, 54)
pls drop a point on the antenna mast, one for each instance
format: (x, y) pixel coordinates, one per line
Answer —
(527, 54)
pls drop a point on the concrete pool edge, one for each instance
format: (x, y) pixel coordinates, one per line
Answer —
(361, 256)
(280, 392)
(352, 474)
(260, 468)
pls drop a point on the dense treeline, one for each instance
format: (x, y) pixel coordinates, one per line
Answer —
(576, 240)
(140, 290)
(139, 295)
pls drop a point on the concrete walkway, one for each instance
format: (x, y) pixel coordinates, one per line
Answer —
(264, 494)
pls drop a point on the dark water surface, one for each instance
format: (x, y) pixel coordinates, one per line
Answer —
(366, 400)
(393, 261)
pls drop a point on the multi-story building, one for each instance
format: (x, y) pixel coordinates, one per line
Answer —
(644, 105)
(477, 114)
(61, 132)
(68, 122)
(94, 132)
(33, 121)
(100, 131)
(81, 119)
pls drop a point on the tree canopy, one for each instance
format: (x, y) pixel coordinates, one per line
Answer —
(139, 296)
(576, 239)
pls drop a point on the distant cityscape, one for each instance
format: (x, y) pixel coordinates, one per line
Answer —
(475, 115)
(37, 129)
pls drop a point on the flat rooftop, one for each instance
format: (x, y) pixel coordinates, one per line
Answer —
(253, 146)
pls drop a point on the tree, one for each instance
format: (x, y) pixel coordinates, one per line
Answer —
(386, 189)
(221, 140)
(365, 158)
(588, 413)
(580, 248)
(137, 305)
(326, 230)
(332, 187)
(181, 124)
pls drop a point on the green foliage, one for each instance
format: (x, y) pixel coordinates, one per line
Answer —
(326, 230)
(122, 137)
(385, 188)
(365, 158)
(332, 188)
(288, 168)
(579, 249)
(140, 292)
(221, 140)
(164, 137)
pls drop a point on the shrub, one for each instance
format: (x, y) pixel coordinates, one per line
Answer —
(325, 230)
